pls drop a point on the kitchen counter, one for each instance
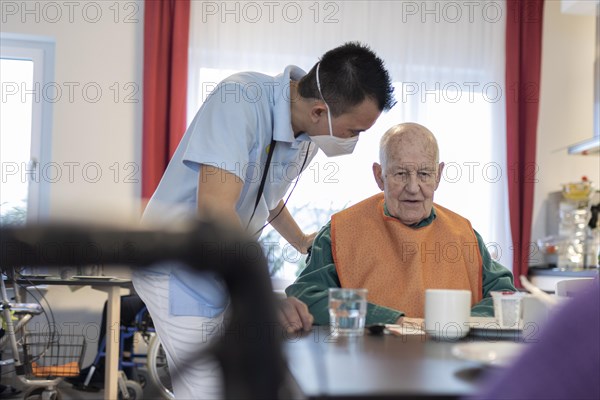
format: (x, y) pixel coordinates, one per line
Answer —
(545, 278)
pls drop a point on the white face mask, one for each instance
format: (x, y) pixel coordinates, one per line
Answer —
(332, 145)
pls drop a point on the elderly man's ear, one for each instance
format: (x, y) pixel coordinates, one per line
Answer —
(378, 174)
(439, 175)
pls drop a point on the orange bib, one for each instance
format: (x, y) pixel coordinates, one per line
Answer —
(396, 263)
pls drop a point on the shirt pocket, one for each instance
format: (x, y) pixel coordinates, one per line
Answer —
(193, 293)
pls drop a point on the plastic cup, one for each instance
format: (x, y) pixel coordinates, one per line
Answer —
(507, 309)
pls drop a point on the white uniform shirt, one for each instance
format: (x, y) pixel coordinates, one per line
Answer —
(232, 131)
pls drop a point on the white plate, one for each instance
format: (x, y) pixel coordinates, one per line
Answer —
(487, 327)
(490, 323)
(488, 353)
(92, 278)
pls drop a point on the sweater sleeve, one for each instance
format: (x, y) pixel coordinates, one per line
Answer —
(496, 277)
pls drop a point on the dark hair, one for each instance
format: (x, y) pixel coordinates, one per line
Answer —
(348, 74)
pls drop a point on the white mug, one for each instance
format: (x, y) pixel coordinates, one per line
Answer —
(447, 313)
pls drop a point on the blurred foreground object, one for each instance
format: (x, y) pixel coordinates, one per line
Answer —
(252, 364)
(565, 361)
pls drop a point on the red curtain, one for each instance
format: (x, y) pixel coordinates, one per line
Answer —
(166, 31)
(523, 63)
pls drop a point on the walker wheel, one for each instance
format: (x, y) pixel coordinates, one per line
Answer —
(40, 393)
(134, 390)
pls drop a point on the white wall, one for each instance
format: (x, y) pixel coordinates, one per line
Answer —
(98, 45)
(97, 120)
(566, 114)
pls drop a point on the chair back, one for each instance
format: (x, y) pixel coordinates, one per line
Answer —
(569, 287)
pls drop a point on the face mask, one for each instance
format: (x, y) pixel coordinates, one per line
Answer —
(332, 145)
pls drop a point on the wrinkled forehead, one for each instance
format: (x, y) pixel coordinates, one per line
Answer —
(412, 152)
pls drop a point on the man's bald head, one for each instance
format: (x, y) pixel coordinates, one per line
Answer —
(408, 133)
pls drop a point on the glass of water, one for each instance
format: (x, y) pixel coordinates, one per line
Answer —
(347, 311)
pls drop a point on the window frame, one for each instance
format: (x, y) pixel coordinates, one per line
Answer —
(41, 51)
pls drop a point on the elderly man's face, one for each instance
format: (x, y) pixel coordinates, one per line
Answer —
(410, 178)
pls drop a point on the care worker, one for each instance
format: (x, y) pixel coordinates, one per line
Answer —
(247, 144)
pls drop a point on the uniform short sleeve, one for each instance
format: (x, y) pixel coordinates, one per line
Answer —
(225, 131)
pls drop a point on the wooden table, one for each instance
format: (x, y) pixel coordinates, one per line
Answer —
(385, 366)
(113, 316)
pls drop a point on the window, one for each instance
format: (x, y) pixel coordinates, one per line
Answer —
(26, 85)
(15, 142)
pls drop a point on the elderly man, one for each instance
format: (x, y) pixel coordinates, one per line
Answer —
(398, 243)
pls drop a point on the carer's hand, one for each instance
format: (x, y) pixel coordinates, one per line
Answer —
(305, 243)
(294, 316)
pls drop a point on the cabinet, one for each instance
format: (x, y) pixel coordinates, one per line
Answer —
(579, 7)
(546, 278)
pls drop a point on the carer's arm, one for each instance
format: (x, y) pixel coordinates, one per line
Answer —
(218, 194)
(283, 222)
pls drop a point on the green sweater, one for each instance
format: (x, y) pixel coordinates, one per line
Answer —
(320, 274)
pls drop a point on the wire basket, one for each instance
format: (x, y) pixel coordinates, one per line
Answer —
(52, 355)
